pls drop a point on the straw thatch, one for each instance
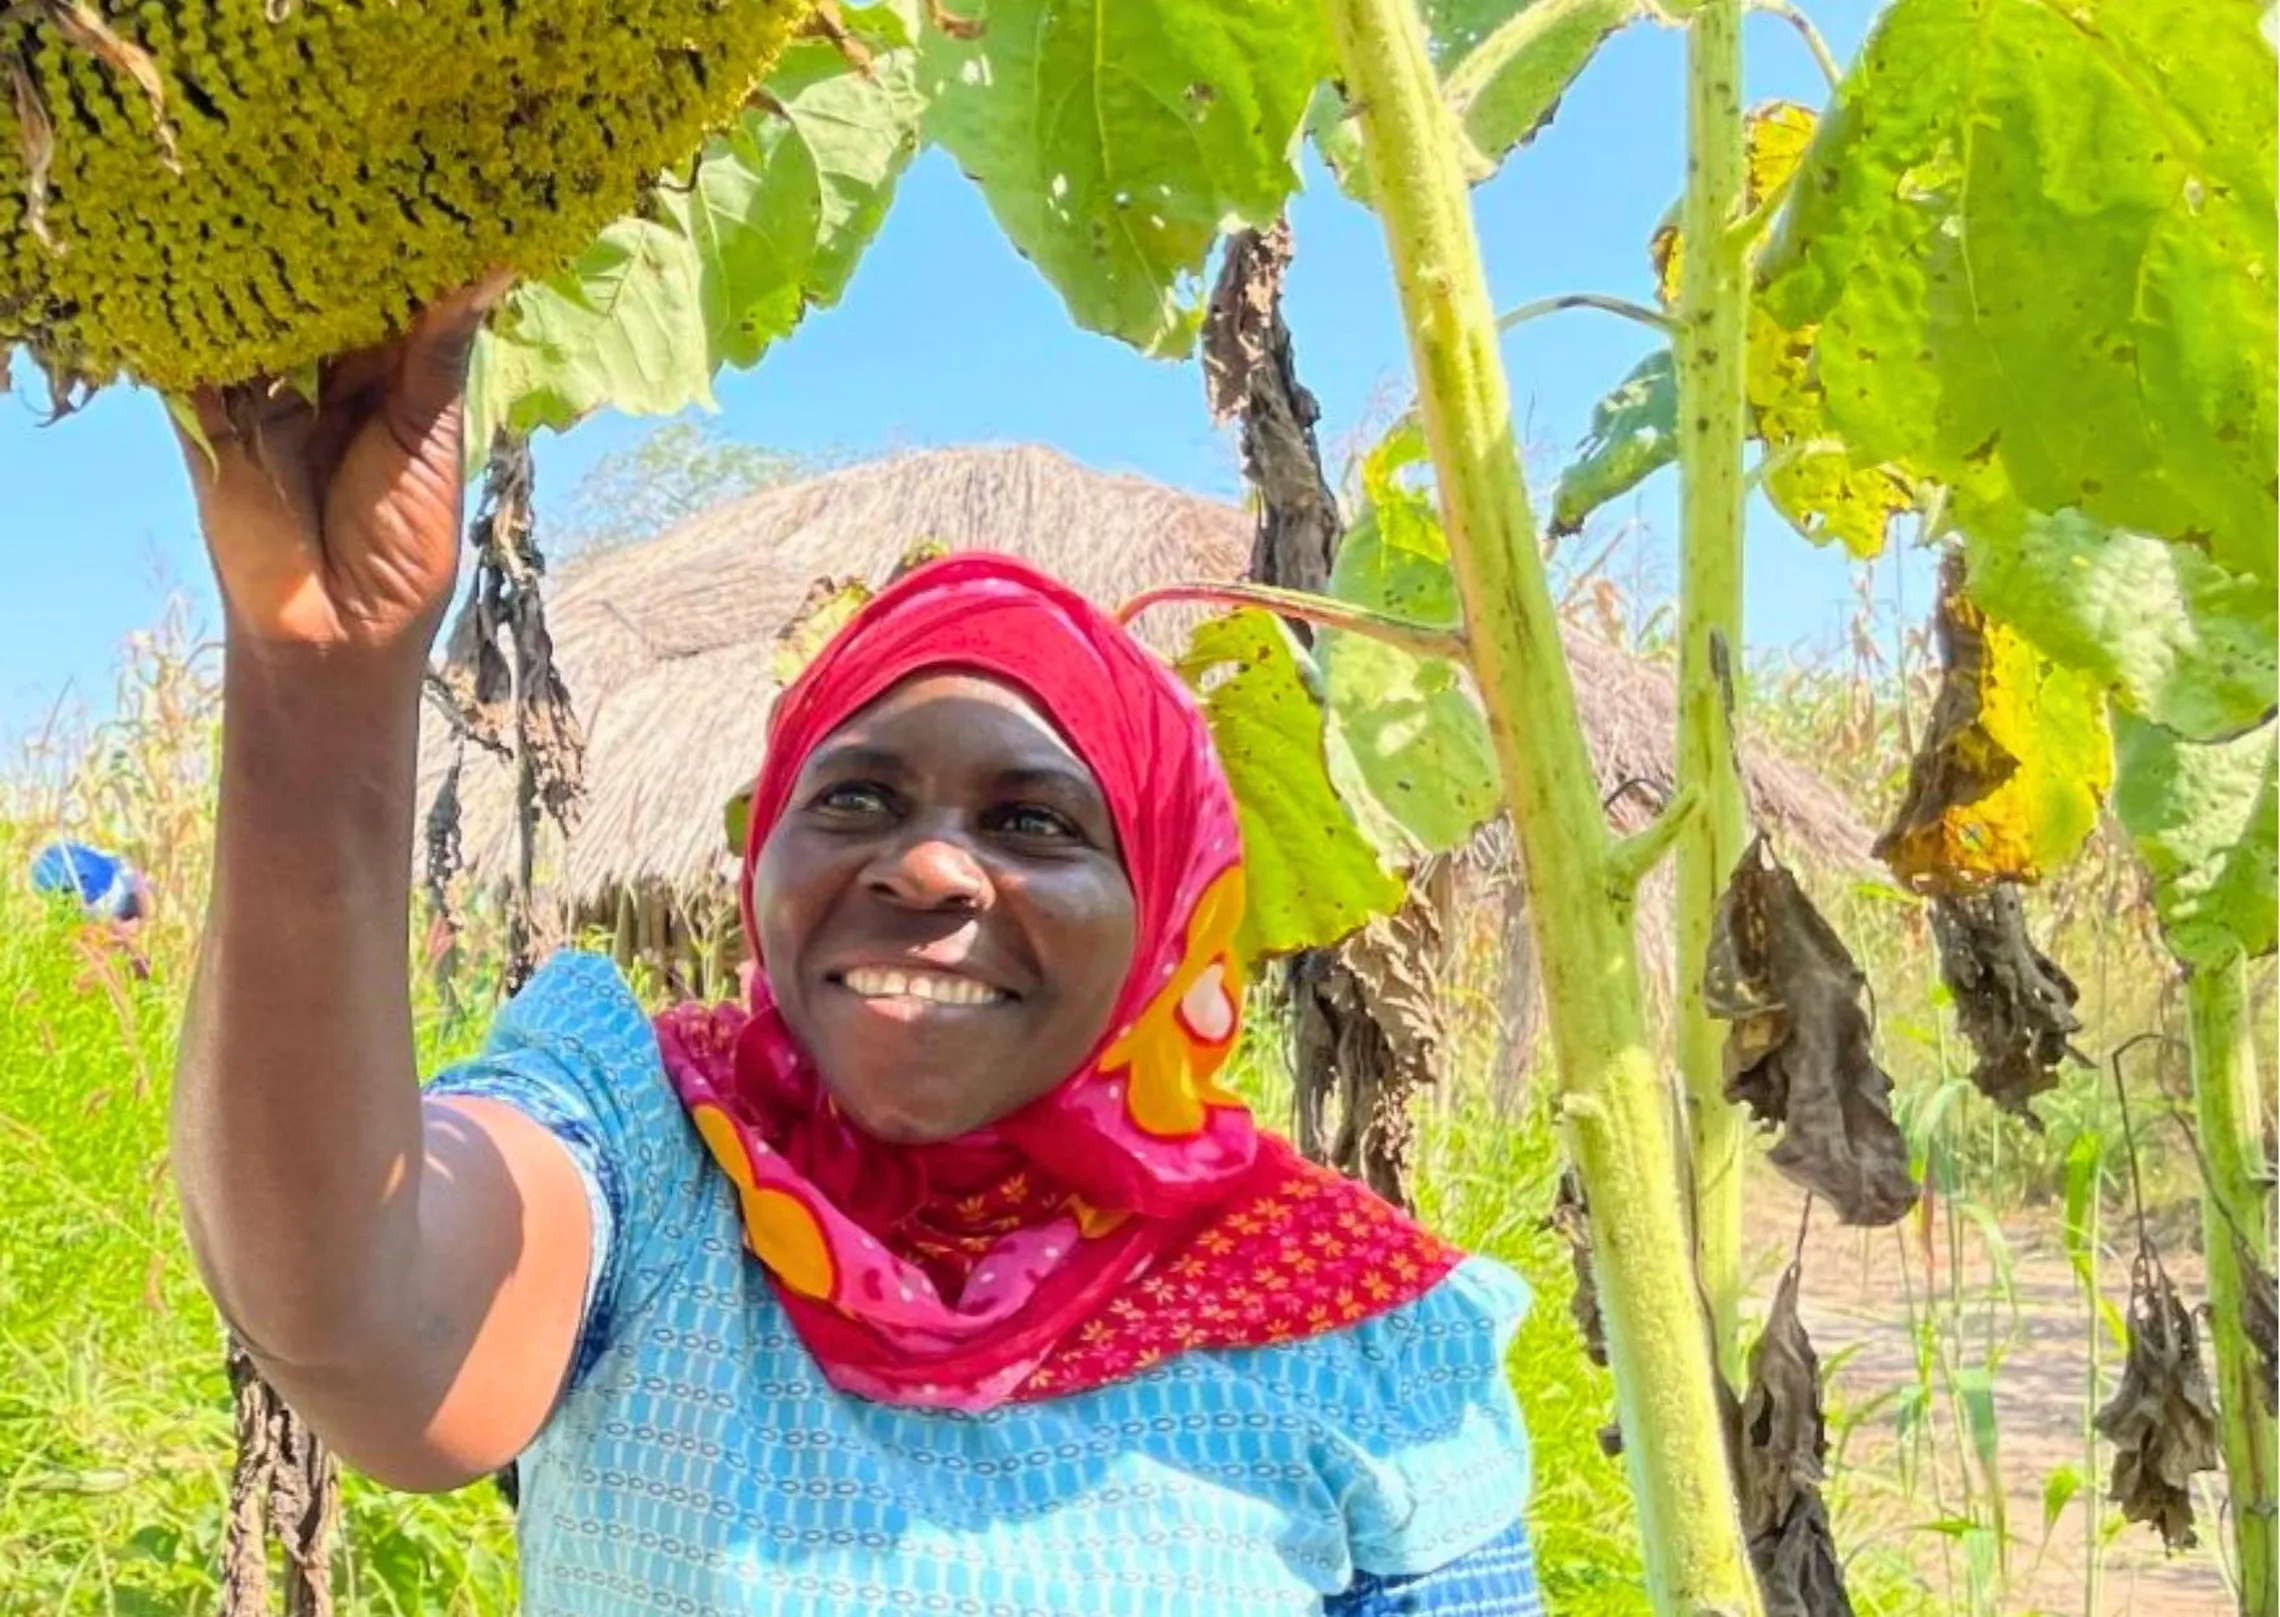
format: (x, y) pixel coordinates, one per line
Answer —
(666, 647)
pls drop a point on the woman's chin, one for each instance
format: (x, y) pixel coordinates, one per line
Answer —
(903, 1118)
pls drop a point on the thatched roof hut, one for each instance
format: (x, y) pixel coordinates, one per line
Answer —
(665, 647)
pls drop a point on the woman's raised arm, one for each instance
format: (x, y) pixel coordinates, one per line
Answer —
(409, 1276)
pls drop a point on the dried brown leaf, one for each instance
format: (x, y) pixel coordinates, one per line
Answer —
(284, 1486)
(2015, 1004)
(1571, 1217)
(1799, 1571)
(1780, 1452)
(1798, 1052)
(1367, 1031)
(35, 135)
(83, 25)
(1784, 1439)
(2162, 1419)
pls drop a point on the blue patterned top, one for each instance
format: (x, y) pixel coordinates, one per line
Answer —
(699, 1462)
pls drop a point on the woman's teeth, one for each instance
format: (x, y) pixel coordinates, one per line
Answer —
(938, 988)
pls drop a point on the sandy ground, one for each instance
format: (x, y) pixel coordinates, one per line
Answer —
(1856, 1297)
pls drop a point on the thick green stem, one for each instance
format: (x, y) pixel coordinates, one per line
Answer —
(1616, 1105)
(1713, 303)
(2235, 1214)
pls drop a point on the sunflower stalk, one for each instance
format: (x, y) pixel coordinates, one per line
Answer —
(2236, 1233)
(1616, 1107)
(1713, 304)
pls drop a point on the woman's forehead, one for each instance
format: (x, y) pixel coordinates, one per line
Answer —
(964, 702)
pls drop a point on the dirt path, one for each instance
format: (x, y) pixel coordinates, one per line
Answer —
(1856, 1301)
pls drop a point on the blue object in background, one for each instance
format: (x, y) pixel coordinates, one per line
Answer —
(103, 884)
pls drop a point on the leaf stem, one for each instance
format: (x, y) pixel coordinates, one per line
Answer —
(1634, 858)
(2129, 1130)
(1605, 302)
(1403, 634)
(1789, 13)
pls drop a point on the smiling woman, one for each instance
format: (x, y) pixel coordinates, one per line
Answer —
(938, 1274)
(942, 910)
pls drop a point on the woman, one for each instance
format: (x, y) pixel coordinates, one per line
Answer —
(940, 1276)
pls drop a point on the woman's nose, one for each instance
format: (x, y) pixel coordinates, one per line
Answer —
(932, 871)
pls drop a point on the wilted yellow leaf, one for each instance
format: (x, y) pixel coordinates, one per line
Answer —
(2008, 782)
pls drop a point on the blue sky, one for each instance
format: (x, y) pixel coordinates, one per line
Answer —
(947, 336)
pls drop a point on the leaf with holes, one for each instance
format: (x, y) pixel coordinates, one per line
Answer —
(2178, 639)
(2007, 783)
(1634, 434)
(1311, 874)
(2202, 819)
(1116, 143)
(1410, 730)
(1810, 475)
(2032, 251)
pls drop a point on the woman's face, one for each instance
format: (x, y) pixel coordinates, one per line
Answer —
(944, 915)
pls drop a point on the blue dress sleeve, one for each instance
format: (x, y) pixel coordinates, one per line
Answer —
(1418, 1436)
(1496, 1580)
(575, 1053)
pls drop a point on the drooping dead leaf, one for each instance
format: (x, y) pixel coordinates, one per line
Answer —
(1784, 1439)
(2162, 1420)
(1250, 373)
(1571, 1217)
(2015, 1004)
(1780, 1455)
(1368, 1029)
(35, 136)
(1798, 1051)
(84, 26)
(2013, 768)
(284, 1487)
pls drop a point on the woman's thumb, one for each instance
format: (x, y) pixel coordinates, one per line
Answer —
(434, 373)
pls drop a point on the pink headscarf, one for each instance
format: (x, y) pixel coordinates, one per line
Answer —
(1014, 1261)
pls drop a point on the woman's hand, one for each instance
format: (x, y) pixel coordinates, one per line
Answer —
(334, 527)
(410, 1278)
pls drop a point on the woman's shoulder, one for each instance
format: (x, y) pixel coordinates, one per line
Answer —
(582, 1000)
(1454, 1335)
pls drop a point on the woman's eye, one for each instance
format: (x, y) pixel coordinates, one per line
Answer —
(1043, 823)
(850, 798)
